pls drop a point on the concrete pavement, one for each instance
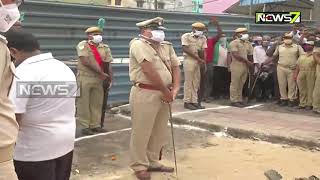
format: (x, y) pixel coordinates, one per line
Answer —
(289, 128)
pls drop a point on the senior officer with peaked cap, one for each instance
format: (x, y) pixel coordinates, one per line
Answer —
(154, 71)
(241, 52)
(193, 45)
(288, 54)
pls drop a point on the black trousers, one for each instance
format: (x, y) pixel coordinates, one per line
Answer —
(276, 91)
(221, 81)
(264, 88)
(55, 169)
(201, 90)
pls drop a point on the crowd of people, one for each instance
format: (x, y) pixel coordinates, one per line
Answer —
(260, 66)
(37, 133)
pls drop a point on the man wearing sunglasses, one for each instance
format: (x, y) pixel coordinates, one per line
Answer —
(9, 15)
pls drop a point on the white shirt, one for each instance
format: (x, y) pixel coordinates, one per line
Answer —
(223, 54)
(259, 56)
(47, 130)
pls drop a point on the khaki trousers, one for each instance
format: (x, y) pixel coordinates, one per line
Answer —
(149, 127)
(286, 80)
(316, 92)
(191, 80)
(89, 104)
(239, 74)
(305, 81)
(7, 171)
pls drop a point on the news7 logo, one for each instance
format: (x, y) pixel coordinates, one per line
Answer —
(278, 17)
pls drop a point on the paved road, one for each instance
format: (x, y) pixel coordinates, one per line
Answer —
(108, 153)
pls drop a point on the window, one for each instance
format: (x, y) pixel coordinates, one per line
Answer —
(109, 2)
(180, 4)
(118, 3)
(161, 5)
(140, 3)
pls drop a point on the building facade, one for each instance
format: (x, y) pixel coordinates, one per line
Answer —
(195, 6)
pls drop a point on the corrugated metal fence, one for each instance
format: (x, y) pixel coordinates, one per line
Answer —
(61, 26)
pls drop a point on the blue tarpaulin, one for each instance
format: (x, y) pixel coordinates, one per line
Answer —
(248, 2)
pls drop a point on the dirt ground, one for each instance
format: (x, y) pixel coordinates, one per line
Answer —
(201, 155)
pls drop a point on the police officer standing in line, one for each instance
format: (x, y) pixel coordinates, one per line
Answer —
(93, 55)
(193, 45)
(241, 52)
(288, 53)
(305, 76)
(9, 127)
(316, 92)
(155, 73)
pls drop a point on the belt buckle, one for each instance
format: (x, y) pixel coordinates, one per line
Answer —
(137, 84)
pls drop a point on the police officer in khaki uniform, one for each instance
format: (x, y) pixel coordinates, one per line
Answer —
(305, 76)
(288, 53)
(8, 125)
(241, 52)
(193, 45)
(316, 92)
(154, 71)
(93, 55)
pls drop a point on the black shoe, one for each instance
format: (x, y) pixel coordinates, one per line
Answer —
(316, 112)
(98, 130)
(237, 104)
(190, 106)
(278, 101)
(284, 103)
(309, 108)
(291, 104)
(243, 104)
(300, 107)
(198, 106)
(87, 132)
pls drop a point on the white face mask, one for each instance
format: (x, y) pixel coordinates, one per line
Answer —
(244, 37)
(223, 41)
(198, 33)
(158, 35)
(97, 39)
(9, 14)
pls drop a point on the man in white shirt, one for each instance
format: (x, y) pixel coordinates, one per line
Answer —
(221, 75)
(46, 135)
(264, 84)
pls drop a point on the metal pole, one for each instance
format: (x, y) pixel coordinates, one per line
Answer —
(250, 9)
(156, 5)
(173, 142)
(315, 12)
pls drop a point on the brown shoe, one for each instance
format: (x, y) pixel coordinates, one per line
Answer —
(161, 169)
(143, 175)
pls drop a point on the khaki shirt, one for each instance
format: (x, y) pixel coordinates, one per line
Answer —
(8, 125)
(306, 63)
(141, 49)
(244, 48)
(317, 50)
(195, 44)
(288, 56)
(84, 50)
